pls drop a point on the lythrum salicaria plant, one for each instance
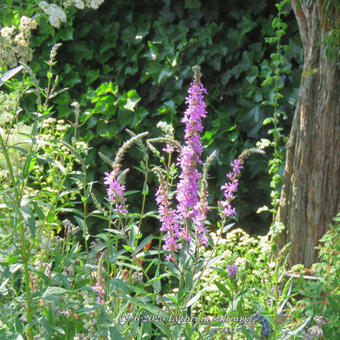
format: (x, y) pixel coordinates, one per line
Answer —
(182, 200)
(190, 211)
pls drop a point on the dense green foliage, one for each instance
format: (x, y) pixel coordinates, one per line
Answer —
(321, 297)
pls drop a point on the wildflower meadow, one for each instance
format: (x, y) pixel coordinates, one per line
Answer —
(140, 240)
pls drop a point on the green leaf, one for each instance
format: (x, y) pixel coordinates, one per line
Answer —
(223, 289)
(50, 291)
(132, 99)
(225, 77)
(117, 285)
(18, 325)
(128, 248)
(164, 329)
(140, 114)
(254, 114)
(105, 46)
(252, 74)
(91, 76)
(194, 299)
(267, 120)
(115, 334)
(173, 269)
(29, 218)
(125, 118)
(265, 293)
(72, 79)
(146, 306)
(157, 282)
(258, 97)
(231, 284)
(63, 279)
(46, 328)
(144, 243)
(82, 51)
(65, 34)
(216, 63)
(267, 81)
(262, 209)
(297, 329)
(164, 74)
(337, 218)
(132, 235)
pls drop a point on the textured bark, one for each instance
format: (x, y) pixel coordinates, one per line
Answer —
(310, 192)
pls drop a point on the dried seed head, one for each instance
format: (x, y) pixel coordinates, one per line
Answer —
(125, 146)
(246, 153)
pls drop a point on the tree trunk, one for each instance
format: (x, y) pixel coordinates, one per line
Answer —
(310, 192)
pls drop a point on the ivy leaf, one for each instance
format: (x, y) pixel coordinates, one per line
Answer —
(267, 81)
(164, 74)
(132, 100)
(252, 74)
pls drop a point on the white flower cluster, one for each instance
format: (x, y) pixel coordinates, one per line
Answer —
(56, 14)
(93, 3)
(88, 3)
(79, 4)
(14, 43)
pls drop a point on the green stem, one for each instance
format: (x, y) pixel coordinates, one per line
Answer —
(52, 207)
(144, 195)
(85, 209)
(232, 314)
(109, 252)
(149, 279)
(27, 281)
(22, 237)
(212, 256)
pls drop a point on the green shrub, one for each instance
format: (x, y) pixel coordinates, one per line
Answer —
(320, 297)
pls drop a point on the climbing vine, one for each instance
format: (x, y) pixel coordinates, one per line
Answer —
(275, 78)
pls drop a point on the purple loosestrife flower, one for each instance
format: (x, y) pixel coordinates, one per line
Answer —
(201, 213)
(99, 286)
(115, 191)
(230, 188)
(169, 148)
(232, 269)
(202, 206)
(168, 218)
(187, 188)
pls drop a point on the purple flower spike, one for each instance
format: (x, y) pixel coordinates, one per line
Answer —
(232, 269)
(190, 209)
(115, 191)
(202, 208)
(99, 288)
(236, 165)
(230, 188)
(168, 219)
(189, 158)
(169, 148)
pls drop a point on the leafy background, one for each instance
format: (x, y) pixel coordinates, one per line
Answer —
(129, 63)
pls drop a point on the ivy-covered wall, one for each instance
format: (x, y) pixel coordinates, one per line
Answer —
(129, 63)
